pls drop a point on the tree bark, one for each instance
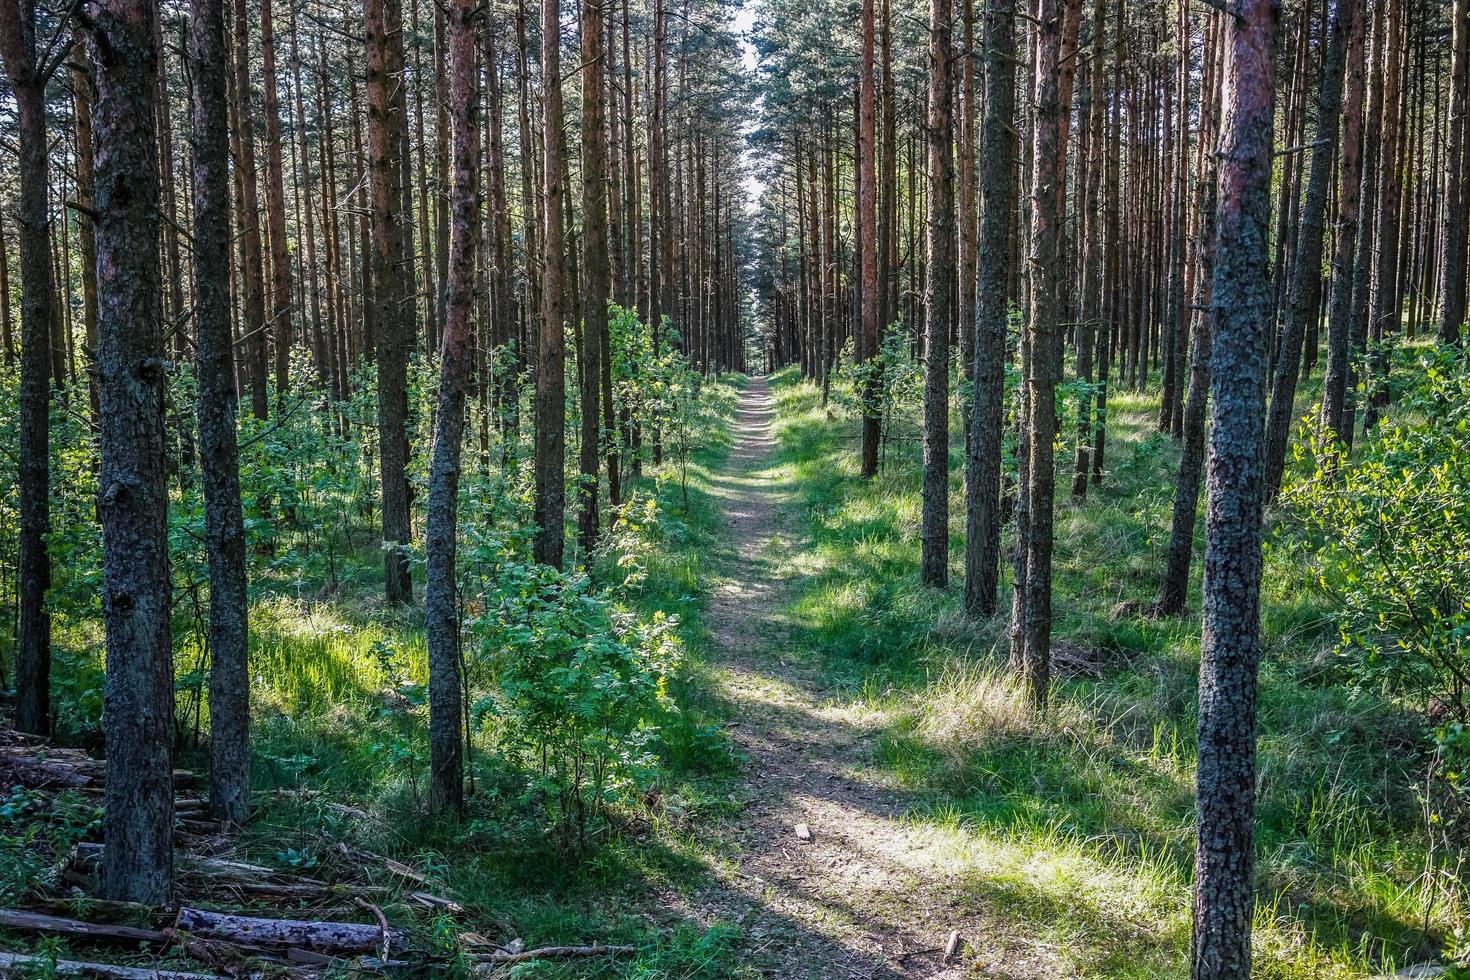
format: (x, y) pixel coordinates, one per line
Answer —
(229, 679)
(867, 225)
(275, 205)
(1339, 315)
(392, 313)
(983, 466)
(1044, 355)
(251, 275)
(138, 696)
(596, 274)
(18, 49)
(1230, 646)
(550, 498)
(934, 540)
(1452, 258)
(441, 608)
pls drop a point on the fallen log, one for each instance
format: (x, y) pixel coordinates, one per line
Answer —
(59, 926)
(322, 937)
(101, 909)
(39, 965)
(551, 953)
(304, 889)
(37, 773)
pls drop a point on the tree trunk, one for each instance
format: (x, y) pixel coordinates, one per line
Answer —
(983, 466)
(229, 679)
(251, 274)
(383, 23)
(867, 222)
(18, 44)
(1224, 894)
(132, 494)
(275, 206)
(441, 607)
(1174, 587)
(1339, 315)
(550, 499)
(596, 274)
(934, 551)
(1452, 258)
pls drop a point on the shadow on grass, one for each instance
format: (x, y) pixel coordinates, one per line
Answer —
(1108, 775)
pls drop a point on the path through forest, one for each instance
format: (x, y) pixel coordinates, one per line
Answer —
(863, 893)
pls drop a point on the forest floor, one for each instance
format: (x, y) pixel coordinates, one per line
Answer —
(825, 877)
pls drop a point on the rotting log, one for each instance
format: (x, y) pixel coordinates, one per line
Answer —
(321, 937)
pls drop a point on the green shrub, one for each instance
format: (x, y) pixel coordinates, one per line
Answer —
(581, 689)
(1387, 534)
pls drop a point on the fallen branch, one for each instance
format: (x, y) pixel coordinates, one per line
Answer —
(105, 971)
(59, 926)
(383, 929)
(552, 952)
(322, 937)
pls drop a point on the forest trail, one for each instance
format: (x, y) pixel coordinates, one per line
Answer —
(866, 894)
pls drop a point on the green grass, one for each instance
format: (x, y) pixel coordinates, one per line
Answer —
(1078, 826)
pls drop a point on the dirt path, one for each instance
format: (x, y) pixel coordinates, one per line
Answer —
(862, 896)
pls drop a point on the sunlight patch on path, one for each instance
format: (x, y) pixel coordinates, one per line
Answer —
(865, 891)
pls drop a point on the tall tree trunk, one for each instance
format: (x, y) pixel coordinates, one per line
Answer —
(867, 222)
(138, 716)
(229, 679)
(550, 498)
(275, 205)
(392, 312)
(1452, 257)
(248, 216)
(596, 274)
(1044, 354)
(82, 85)
(7, 329)
(1224, 893)
(1339, 314)
(441, 608)
(983, 466)
(1092, 258)
(934, 540)
(1306, 267)
(18, 48)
